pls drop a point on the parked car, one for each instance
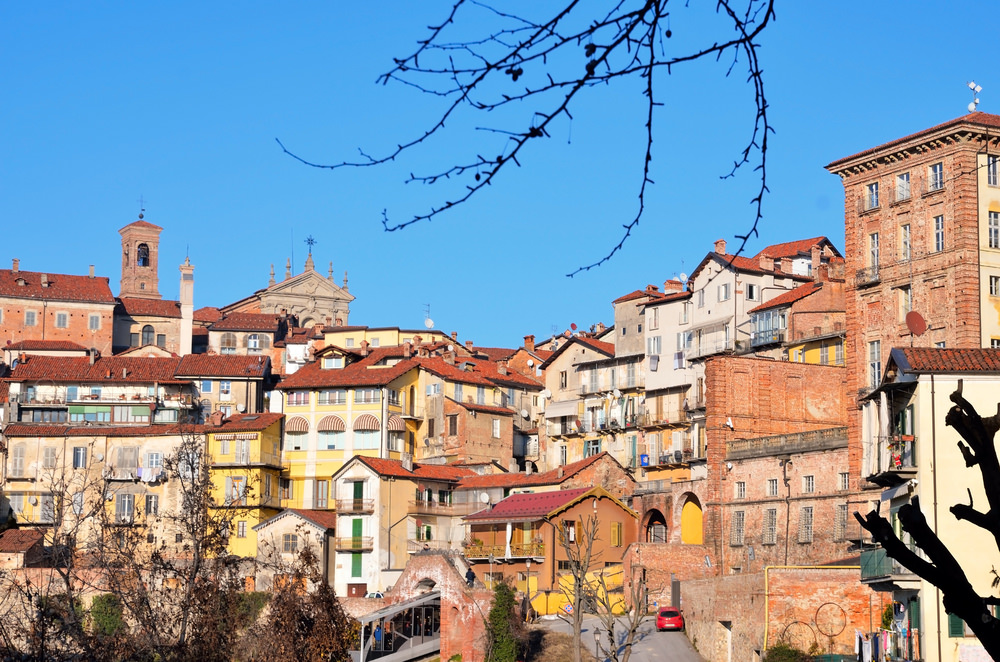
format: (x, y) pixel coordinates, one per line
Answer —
(374, 594)
(669, 618)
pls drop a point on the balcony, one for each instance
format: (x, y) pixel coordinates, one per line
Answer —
(422, 507)
(517, 550)
(867, 276)
(414, 546)
(708, 347)
(355, 506)
(767, 337)
(251, 459)
(895, 460)
(801, 442)
(883, 573)
(354, 544)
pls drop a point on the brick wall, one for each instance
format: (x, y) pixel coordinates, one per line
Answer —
(803, 606)
(474, 441)
(13, 329)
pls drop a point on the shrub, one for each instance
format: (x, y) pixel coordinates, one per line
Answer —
(106, 615)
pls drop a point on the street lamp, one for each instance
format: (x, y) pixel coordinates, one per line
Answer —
(597, 642)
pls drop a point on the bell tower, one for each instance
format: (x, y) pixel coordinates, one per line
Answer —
(140, 260)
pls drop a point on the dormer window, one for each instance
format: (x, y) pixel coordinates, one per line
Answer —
(333, 362)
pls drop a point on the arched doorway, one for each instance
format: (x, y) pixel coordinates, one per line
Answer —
(656, 526)
(692, 532)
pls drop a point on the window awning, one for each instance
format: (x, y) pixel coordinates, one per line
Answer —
(332, 424)
(560, 409)
(395, 424)
(367, 422)
(719, 323)
(297, 424)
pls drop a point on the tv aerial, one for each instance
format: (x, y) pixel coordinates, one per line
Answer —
(976, 89)
(428, 322)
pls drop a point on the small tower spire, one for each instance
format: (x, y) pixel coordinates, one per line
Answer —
(288, 269)
(270, 281)
(345, 280)
(330, 274)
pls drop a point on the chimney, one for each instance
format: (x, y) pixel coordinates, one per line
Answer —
(502, 367)
(124, 373)
(822, 272)
(449, 358)
(766, 263)
(91, 274)
(527, 468)
(216, 419)
(328, 320)
(407, 459)
(670, 286)
(816, 254)
(720, 246)
(45, 280)
(512, 466)
(93, 354)
(529, 343)
(468, 345)
(339, 322)
(599, 327)
(17, 263)
(407, 349)
(653, 289)
(559, 473)
(454, 336)
(417, 340)
(364, 348)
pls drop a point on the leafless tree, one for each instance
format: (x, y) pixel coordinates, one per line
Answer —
(940, 568)
(527, 72)
(594, 590)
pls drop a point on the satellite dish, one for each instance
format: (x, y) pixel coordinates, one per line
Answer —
(241, 408)
(618, 393)
(530, 363)
(573, 326)
(546, 393)
(429, 323)
(916, 323)
(683, 277)
(98, 457)
(451, 348)
(524, 413)
(484, 497)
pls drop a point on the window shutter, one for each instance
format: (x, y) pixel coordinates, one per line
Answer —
(956, 626)
(229, 489)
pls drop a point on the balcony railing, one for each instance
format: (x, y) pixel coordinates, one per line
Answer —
(801, 442)
(517, 550)
(422, 507)
(876, 565)
(414, 546)
(354, 544)
(355, 505)
(768, 337)
(895, 459)
(707, 347)
(866, 276)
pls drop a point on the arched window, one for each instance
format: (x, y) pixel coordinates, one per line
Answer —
(142, 256)
(148, 335)
(227, 343)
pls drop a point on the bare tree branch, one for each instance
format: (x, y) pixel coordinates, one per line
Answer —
(478, 74)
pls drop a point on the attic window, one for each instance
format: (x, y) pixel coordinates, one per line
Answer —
(330, 362)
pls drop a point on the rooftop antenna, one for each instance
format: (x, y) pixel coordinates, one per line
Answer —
(976, 89)
(428, 322)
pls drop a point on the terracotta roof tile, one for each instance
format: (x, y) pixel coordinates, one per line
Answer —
(142, 224)
(111, 370)
(789, 297)
(236, 423)
(207, 314)
(14, 541)
(605, 348)
(631, 296)
(485, 409)
(60, 287)
(312, 375)
(150, 307)
(525, 480)
(325, 519)
(483, 372)
(243, 423)
(792, 248)
(933, 359)
(46, 346)
(4, 391)
(529, 506)
(395, 468)
(223, 365)
(495, 353)
(246, 322)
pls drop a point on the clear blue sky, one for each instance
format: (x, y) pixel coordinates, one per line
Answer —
(180, 103)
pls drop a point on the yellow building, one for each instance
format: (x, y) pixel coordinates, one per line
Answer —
(352, 337)
(335, 410)
(245, 458)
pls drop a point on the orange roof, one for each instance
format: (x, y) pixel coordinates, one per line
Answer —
(236, 423)
(793, 248)
(525, 480)
(486, 409)
(637, 294)
(150, 307)
(46, 345)
(933, 359)
(362, 373)
(4, 391)
(223, 365)
(243, 423)
(495, 353)
(605, 348)
(325, 519)
(207, 314)
(60, 287)
(142, 224)
(14, 541)
(395, 468)
(482, 372)
(789, 297)
(112, 370)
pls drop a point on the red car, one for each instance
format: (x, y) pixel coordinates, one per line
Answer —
(669, 618)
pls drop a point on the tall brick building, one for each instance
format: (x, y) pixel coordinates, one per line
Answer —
(922, 235)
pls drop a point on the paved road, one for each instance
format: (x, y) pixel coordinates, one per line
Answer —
(649, 646)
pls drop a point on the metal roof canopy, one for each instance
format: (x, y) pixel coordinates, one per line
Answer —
(391, 610)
